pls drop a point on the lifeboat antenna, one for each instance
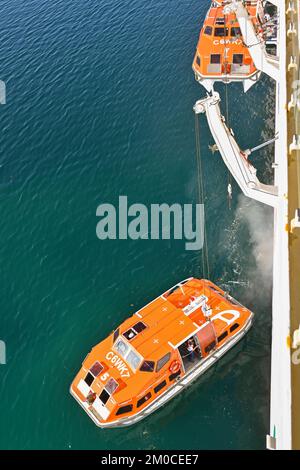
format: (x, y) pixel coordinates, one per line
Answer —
(207, 311)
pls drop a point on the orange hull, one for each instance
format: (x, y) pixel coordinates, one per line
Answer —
(172, 340)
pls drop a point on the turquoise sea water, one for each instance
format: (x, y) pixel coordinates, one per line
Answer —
(99, 104)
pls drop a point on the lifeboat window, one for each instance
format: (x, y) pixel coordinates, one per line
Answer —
(116, 335)
(198, 60)
(147, 366)
(96, 369)
(124, 409)
(133, 360)
(111, 386)
(234, 327)
(162, 362)
(173, 376)
(222, 336)
(210, 347)
(160, 386)
(121, 347)
(89, 379)
(238, 59)
(104, 396)
(215, 58)
(208, 30)
(130, 334)
(236, 31)
(139, 327)
(135, 330)
(221, 32)
(143, 400)
(128, 353)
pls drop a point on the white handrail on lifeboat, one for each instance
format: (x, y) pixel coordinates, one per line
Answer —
(256, 46)
(234, 158)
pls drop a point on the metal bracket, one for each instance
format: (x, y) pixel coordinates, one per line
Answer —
(291, 30)
(295, 145)
(295, 223)
(291, 8)
(293, 64)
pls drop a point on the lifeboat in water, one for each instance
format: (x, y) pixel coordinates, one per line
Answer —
(221, 53)
(158, 351)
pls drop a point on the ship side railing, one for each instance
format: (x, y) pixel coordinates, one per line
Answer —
(293, 151)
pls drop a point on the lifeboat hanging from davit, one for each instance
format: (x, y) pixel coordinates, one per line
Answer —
(221, 53)
(155, 354)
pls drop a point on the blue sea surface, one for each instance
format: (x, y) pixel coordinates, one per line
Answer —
(99, 104)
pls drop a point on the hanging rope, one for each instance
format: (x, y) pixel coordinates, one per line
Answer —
(201, 198)
(229, 176)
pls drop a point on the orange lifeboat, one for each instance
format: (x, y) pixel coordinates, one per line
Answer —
(221, 53)
(153, 355)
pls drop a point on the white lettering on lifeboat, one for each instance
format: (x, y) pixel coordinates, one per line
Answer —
(237, 42)
(235, 314)
(118, 363)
